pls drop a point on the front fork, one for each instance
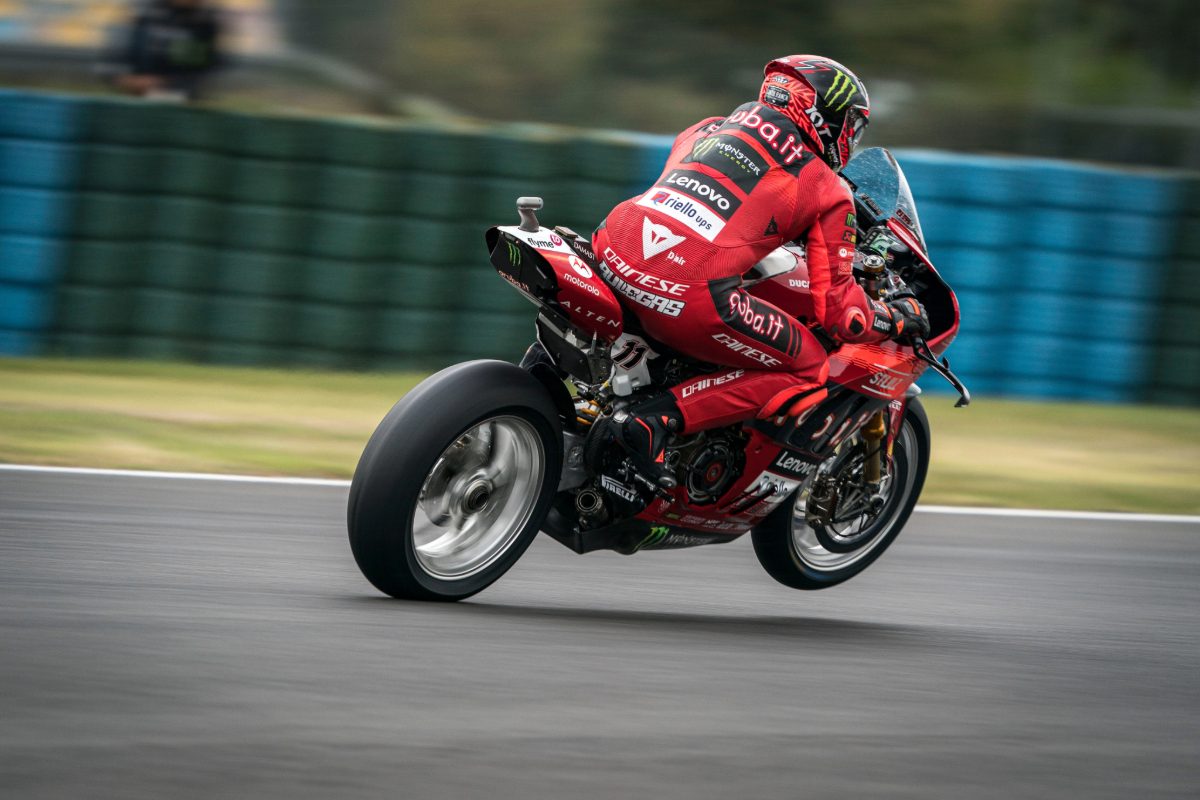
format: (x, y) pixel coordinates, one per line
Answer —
(873, 434)
(878, 439)
(876, 429)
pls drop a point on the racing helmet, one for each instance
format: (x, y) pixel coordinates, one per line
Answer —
(827, 101)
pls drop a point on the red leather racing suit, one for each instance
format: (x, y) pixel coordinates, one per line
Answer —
(733, 190)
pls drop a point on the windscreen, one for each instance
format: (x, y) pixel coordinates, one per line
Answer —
(881, 191)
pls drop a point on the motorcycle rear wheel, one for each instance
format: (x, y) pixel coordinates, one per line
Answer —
(455, 483)
(795, 555)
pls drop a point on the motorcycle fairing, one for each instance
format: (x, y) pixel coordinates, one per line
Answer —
(545, 268)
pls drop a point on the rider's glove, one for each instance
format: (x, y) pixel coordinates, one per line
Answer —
(909, 320)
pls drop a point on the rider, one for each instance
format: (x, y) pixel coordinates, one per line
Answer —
(733, 190)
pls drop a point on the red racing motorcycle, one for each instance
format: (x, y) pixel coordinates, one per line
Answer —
(467, 468)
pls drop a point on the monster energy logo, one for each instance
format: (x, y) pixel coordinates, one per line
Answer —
(514, 254)
(656, 535)
(842, 85)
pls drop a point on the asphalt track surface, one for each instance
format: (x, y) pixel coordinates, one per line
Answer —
(180, 639)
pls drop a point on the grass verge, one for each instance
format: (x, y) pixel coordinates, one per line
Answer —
(140, 415)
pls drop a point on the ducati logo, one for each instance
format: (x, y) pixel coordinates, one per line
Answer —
(657, 238)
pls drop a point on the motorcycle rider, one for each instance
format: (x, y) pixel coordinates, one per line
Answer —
(733, 190)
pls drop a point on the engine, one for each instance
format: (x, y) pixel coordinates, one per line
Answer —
(709, 463)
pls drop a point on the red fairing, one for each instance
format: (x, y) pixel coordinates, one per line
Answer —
(792, 292)
(942, 340)
(584, 297)
(884, 369)
(763, 485)
(879, 369)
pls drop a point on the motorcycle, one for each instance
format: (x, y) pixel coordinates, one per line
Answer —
(466, 469)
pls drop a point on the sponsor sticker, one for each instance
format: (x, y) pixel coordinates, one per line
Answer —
(581, 268)
(524, 287)
(731, 157)
(619, 489)
(657, 239)
(746, 350)
(704, 189)
(715, 380)
(613, 263)
(542, 240)
(778, 96)
(582, 284)
(744, 314)
(792, 466)
(692, 213)
(577, 309)
(637, 276)
(773, 131)
(886, 381)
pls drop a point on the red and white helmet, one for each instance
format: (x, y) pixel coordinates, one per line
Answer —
(826, 101)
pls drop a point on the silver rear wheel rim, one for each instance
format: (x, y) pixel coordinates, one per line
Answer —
(804, 539)
(478, 498)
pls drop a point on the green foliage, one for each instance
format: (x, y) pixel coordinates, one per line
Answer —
(961, 73)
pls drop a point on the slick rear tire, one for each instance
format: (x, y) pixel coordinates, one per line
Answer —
(476, 447)
(790, 551)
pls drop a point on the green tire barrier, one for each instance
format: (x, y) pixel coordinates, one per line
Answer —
(141, 230)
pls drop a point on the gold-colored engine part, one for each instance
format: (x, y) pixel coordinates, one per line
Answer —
(872, 435)
(586, 412)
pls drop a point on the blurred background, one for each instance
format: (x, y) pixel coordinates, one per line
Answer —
(306, 183)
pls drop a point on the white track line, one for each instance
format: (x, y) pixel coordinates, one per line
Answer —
(285, 481)
(178, 476)
(1041, 513)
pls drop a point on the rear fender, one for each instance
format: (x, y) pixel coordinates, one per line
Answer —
(559, 394)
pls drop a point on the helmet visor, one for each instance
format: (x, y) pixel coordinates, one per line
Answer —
(856, 125)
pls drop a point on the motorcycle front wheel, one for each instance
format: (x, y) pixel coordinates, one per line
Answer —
(798, 556)
(455, 483)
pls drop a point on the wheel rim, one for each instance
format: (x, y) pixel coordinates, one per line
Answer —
(870, 528)
(478, 498)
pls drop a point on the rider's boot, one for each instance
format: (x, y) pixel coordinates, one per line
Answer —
(644, 431)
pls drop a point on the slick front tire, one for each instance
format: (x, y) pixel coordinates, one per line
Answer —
(794, 554)
(455, 482)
